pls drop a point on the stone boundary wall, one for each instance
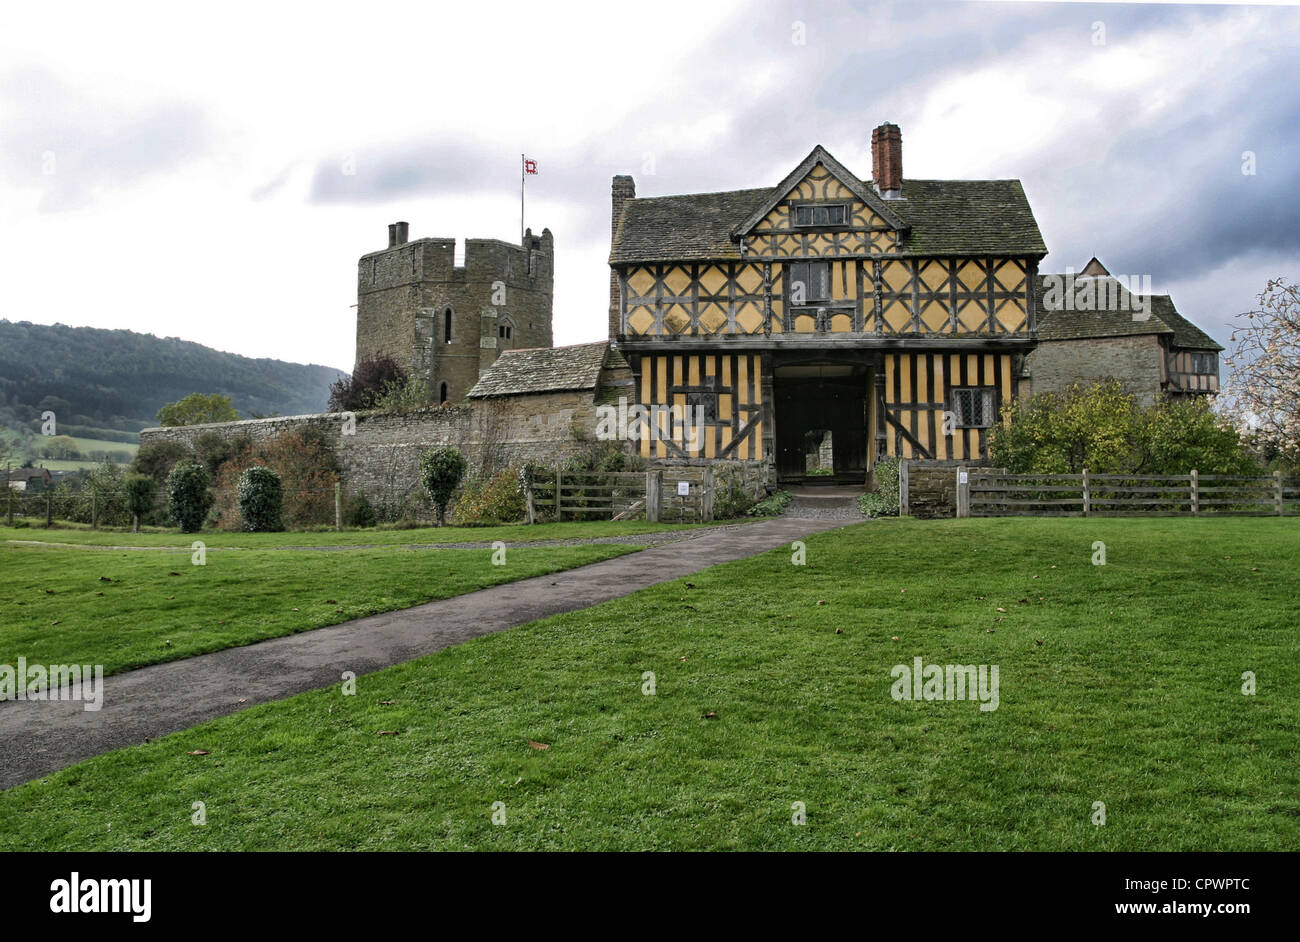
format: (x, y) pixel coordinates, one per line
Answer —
(379, 452)
(931, 486)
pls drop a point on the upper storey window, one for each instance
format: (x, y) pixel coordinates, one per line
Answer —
(818, 214)
(1203, 362)
(810, 282)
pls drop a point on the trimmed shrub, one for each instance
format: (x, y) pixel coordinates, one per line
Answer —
(139, 490)
(441, 470)
(188, 497)
(883, 501)
(261, 500)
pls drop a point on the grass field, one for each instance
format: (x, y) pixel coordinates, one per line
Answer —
(1119, 683)
(86, 446)
(220, 539)
(128, 609)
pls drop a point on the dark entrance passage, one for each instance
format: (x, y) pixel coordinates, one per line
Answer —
(821, 422)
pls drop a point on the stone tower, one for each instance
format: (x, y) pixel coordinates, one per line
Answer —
(446, 322)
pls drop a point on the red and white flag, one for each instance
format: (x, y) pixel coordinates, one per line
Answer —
(530, 166)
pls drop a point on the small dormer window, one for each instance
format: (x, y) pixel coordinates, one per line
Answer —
(820, 214)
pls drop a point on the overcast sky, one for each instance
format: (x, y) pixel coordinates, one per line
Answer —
(214, 172)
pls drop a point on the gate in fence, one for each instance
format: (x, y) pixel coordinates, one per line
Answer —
(680, 495)
(983, 493)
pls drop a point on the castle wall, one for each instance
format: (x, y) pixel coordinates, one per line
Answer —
(380, 456)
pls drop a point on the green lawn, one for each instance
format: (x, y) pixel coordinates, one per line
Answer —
(513, 533)
(128, 609)
(1118, 684)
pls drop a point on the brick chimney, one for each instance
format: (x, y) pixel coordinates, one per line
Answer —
(887, 161)
(622, 190)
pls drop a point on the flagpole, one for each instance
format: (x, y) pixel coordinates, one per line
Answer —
(521, 201)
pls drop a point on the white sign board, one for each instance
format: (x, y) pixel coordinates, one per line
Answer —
(963, 477)
(683, 488)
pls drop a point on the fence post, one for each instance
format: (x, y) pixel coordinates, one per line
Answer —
(338, 505)
(903, 485)
(10, 491)
(653, 495)
(94, 509)
(49, 508)
(528, 501)
(707, 496)
(963, 492)
(1196, 492)
(1277, 492)
(1087, 493)
(557, 495)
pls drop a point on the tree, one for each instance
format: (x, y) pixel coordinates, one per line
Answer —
(1179, 435)
(374, 377)
(261, 498)
(61, 447)
(1264, 392)
(1101, 428)
(188, 497)
(198, 409)
(1063, 433)
(158, 458)
(440, 472)
(139, 496)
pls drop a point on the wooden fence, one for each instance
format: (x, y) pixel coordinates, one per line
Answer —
(983, 493)
(685, 495)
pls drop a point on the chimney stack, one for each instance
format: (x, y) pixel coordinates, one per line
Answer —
(392, 234)
(887, 161)
(402, 231)
(622, 190)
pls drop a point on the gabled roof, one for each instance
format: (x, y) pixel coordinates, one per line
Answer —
(1118, 320)
(1094, 269)
(819, 155)
(940, 217)
(542, 370)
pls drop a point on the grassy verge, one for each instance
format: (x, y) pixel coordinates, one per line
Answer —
(220, 539)
(1119, 683)
(125, 610)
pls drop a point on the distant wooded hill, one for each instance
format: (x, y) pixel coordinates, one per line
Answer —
(109, 384)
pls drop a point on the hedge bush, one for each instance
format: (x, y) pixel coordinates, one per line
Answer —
(261, 500)
(440, 472)
(188, 497)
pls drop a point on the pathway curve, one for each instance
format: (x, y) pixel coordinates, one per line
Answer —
(40, 737)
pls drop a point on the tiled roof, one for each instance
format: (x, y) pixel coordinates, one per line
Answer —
(947, 217)
(1118, 320)
(542, 369)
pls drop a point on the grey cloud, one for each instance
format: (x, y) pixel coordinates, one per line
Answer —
(72, 146)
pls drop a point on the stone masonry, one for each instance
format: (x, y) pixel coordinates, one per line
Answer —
(500, 298)
(1055, 365)
(379, 455)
